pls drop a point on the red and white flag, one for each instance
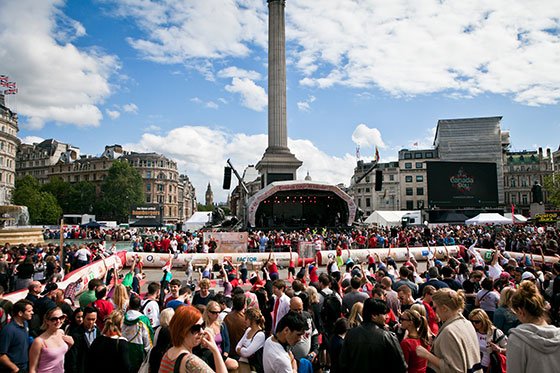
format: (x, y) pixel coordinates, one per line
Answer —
(10, 91)
(10, 85)
(3, 78)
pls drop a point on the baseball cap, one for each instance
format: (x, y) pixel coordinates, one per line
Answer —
(527, 276)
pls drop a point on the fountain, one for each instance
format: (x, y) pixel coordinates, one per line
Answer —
(15, 228)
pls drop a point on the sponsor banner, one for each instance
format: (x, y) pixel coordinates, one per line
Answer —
(549, 217)
(228, 242)
(158, 260)
(306, 249)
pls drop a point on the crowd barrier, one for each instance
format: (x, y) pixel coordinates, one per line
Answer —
(86, 273)
(158, 260)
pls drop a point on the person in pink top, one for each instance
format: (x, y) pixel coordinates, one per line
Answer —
(47, 351)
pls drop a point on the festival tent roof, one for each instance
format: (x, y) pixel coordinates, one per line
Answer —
(386, 218)
(518, 218)
(198, 220)
(488, 218)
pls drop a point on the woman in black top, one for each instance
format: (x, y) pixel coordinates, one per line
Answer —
(25, 272)
(109, 352)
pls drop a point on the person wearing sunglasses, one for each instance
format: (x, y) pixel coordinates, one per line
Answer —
(48, 349)
(188, 331)
(218, 329)
(490, 338)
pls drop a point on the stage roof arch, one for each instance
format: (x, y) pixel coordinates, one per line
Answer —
(287, 186)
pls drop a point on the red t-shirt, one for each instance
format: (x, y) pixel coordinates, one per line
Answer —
(432, 318)
(104, 308)
(272, 268)
(415, 363)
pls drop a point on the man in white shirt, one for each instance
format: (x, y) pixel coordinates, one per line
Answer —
(150, 306)
(82, 256)
(281, 302)
(276, 357)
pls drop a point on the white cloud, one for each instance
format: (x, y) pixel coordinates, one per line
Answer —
(236, 72)
(56, 80)
(196, 100)
(405, 47)
(253, 96)
(130, 108)
(211, 105)
(32, 140)
(305, 105)
(113, 114)
(218, 145)
(367, 137)
(152, 128)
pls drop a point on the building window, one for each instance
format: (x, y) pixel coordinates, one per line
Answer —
(148, 198)
(407, 156)
(420, 191)
(419, 178)
(524, 199)
(160, 187)
(391, 177)
(409, 205)
(512, 182)
(408, 165)
(420, 204)
(417, 155)
(368, 202)
(513, 199)
(408, 179)
(359, 199)
(367, 179)
(148, 187)
(429, 155)
(368, 190)
(409, 191)
(418, 164)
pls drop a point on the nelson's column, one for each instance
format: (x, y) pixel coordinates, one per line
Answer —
(277, 163)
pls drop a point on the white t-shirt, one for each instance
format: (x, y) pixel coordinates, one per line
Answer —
(151, 310)
(82, 254)
(275, 358)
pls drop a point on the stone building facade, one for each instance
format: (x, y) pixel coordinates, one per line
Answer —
(413, 178)
(35, 159)
(521, 171)
(9, 143)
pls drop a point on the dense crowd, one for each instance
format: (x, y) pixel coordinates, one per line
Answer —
(464, 313)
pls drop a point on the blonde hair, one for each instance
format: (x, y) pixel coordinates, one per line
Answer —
(206, 314)
(355, 318)
(419, 308)
(420, 324)
(165, 316)
(505, 297)
(120, 297)
(113, 323)
(454, 300)
(313, 295)
(480, 314)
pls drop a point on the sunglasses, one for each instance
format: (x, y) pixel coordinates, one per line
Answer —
(404, 319)
(60, 318)
(476, 321)
(214, 312)
(198, 328)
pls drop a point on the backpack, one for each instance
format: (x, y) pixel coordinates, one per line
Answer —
(256, 360)
(331, 310)
(497, 360)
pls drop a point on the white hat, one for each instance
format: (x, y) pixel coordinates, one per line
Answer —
(527, 276)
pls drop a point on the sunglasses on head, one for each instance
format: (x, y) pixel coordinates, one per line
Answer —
(197, 328)
(60, 318)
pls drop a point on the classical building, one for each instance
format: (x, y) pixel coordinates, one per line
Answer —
(35, 159)
(521, 171)
(161, 181)
(413, 179)
(9, 143)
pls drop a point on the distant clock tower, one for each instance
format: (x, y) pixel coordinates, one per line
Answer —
(209, 196)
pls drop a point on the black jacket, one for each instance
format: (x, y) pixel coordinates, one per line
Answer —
(369, 348)
(75, 358)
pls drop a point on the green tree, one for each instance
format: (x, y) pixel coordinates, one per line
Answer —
(121, 189)
(62, 191)
(201, 207)
(552, 186)
(43, 206)
(84, 198)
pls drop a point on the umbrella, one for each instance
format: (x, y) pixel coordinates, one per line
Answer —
(92, 225)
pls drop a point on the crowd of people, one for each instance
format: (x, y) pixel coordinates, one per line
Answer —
(460, 313)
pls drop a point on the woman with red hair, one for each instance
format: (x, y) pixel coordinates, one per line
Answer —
(187, 330)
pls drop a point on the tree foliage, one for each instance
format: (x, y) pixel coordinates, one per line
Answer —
(552, 186)
(121, 189)
(42, 205)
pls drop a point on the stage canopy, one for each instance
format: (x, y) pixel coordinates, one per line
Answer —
(300, 204)
(387, 218)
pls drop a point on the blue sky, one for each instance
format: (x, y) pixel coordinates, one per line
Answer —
(188, 78)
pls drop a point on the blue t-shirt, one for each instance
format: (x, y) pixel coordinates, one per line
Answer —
(14, 342)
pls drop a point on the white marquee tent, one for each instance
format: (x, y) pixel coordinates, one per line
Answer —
(518, 217)
(386, 218)
(488, 218)
(198, 220)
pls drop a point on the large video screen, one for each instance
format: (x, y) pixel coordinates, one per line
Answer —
(462, 184)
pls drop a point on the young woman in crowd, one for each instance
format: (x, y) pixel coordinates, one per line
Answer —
(109, 352)
(490, 338)
(162, 339)
(534, 346)
(48, 349)
(187, 331)
(355, 317)
(253, 339)
(487, 298)
(504, 318)
(219, 331)
(456, 347)
(417, 334)
(76, 320)
(120, 298)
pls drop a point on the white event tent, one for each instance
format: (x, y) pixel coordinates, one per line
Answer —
(488, 218)
(518, 217)
(198, 220)
(386, 218)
